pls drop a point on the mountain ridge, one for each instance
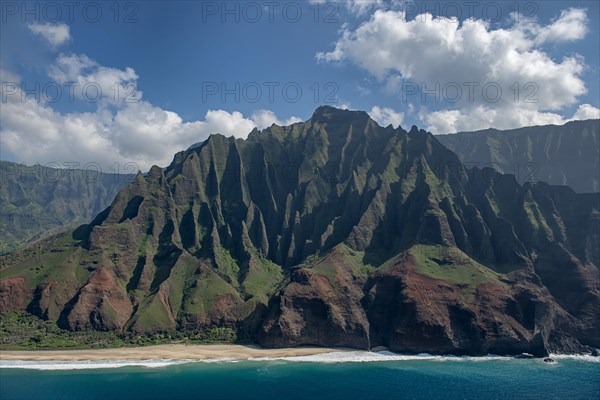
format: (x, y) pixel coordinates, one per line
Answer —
(334, 231)
(565, 154)
(37, 199)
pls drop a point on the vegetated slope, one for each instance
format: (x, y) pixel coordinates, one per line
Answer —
(336, 232)
(35, 199)
(561, 155)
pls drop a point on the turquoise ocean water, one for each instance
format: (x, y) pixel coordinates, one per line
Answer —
(307, 378)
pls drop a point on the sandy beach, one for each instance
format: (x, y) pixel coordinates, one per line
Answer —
(165, 351)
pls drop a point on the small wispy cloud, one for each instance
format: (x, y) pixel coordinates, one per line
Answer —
(54, 34)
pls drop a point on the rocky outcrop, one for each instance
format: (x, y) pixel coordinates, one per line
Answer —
(101, 304)
(14, 293)
(319, 309)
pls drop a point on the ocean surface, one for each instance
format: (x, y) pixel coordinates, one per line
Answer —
(352, 375)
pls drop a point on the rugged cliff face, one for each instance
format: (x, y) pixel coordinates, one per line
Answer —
(566, 154)
(37, 199)
(335, 232)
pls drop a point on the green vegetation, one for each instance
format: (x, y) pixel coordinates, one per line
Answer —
(142, 244)
(227, 265)
(326, 269)
(262, 280)
(453, 266)
(205, 290)
(535, 216)
(152, 316)
(344, 255)
(357, 258)
(57, 258)
(22, 331)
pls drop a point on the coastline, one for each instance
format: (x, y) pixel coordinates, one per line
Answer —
(300, 377)
(165, 351)
(164, 355)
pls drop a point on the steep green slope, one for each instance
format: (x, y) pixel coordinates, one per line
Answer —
(561, 155)
(334, 231)
(35, 199)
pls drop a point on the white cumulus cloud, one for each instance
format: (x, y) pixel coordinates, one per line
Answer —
(265, 118)
(587, 111)
(481, 117)
(386, 116)
(138, 133)
(570, 26)
(483, 75)
(94, 82)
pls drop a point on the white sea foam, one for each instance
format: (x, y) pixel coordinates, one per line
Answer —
(333, 357)
(578, 357)
(379, 356)
(72, 365)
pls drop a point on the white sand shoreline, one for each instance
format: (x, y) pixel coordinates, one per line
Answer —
(165, 351)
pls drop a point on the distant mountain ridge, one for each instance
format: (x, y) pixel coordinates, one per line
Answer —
(334, 231)
(557, 154)
(35, 199)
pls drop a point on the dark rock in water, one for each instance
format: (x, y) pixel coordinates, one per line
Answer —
(595, 353)
(549, 360)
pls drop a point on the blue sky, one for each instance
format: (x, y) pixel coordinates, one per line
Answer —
(196, 68)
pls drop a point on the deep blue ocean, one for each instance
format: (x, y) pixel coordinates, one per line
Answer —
(439, 378)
